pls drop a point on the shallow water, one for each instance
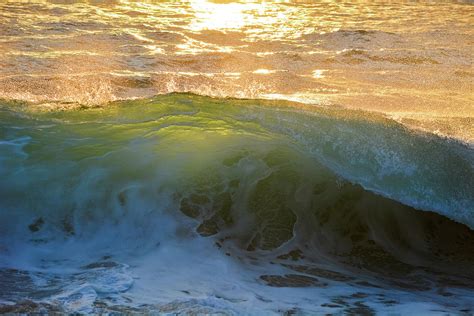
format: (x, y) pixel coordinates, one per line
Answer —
(183, 203)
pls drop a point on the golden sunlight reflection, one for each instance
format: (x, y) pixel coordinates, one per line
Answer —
(212, 16)
(387, 59)
(264, 71)
(220, 16)
(319, 73)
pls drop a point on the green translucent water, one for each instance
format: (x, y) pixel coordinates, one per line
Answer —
(184, 136)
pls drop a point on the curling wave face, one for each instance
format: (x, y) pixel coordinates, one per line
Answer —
(192, 204)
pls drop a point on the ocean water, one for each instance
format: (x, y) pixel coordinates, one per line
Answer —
(236, 158)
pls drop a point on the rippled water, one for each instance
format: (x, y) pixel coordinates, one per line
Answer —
(144, 170)
(410, 60)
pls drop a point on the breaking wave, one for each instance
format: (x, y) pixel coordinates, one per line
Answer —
(300, 197)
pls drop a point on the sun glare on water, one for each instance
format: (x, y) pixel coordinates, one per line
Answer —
(220, 16)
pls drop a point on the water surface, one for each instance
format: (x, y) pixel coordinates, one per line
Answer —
(409, 60)
(236, 157)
